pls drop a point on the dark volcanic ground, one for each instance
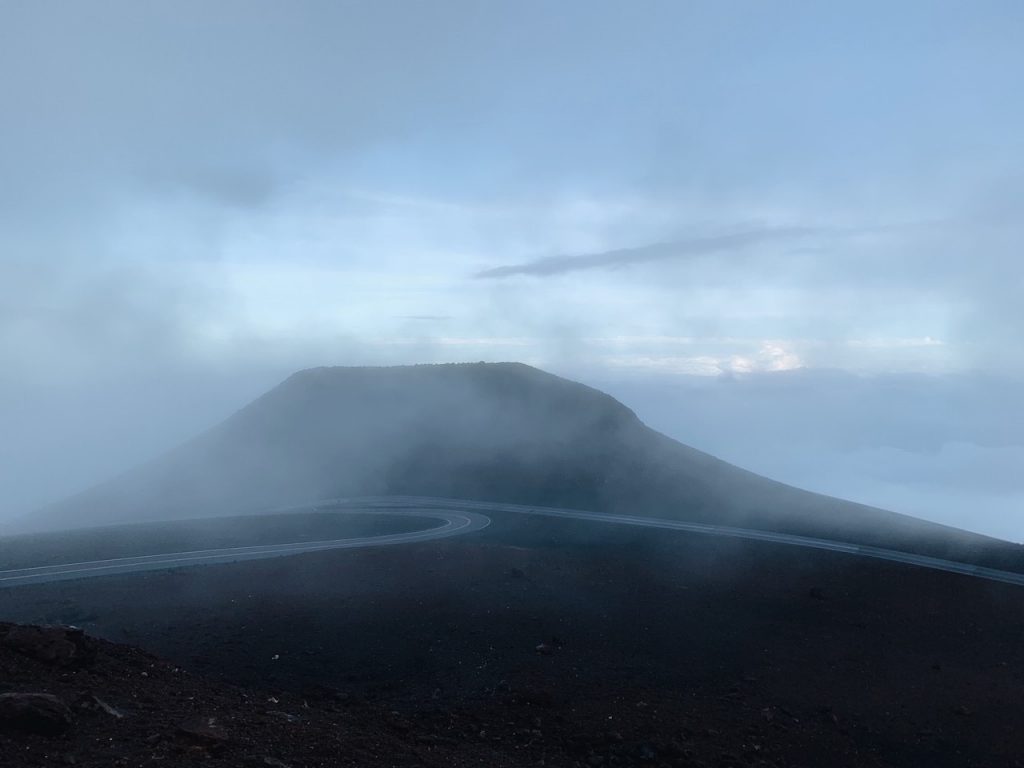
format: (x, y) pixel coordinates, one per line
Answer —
(559, 643)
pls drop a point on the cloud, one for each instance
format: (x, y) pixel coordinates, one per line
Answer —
(770, 356)
(98, 319)
(238, 186)
(944, 448)
(621, 257)
(252, 183)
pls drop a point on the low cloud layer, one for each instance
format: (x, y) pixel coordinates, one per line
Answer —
(945, 449)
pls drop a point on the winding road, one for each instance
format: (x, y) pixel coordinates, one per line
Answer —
(458, 517)
(452, 523)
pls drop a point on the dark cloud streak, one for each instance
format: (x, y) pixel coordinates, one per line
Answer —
(622, 257)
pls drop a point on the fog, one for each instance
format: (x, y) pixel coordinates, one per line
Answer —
(944, 448)
(786, 236)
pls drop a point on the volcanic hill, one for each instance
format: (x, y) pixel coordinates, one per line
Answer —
(502, 432)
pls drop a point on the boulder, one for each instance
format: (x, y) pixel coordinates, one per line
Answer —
(204, 729)
(34, 713)
(56, 646)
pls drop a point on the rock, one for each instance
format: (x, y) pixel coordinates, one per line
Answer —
(272, 762)
(89, 702)
(204, 729)
(34, 713)
(646, 752)
(57, 646)
(287, 717)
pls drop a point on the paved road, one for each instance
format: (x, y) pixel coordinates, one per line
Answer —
(460, 517)
(452, 523)
(922, 561)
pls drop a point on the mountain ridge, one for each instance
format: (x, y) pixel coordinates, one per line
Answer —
(483, 431)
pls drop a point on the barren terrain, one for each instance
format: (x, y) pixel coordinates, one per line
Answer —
(541, 641)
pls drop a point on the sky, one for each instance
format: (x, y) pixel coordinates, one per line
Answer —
(786, 233)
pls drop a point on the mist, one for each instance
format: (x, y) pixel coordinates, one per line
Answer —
(788, 237)
(578, 383)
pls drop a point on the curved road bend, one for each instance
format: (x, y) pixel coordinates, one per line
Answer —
(453, 523)
(458, 517)
(877, 553)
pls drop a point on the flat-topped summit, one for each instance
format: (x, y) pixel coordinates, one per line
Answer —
(490, 431)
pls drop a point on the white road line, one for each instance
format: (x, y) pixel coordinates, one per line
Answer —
(458, 517)
(877, 553)
(453, 523)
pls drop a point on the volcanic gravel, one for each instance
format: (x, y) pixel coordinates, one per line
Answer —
(536, 642)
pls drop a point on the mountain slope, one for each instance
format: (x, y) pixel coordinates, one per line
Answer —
(499, 432)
